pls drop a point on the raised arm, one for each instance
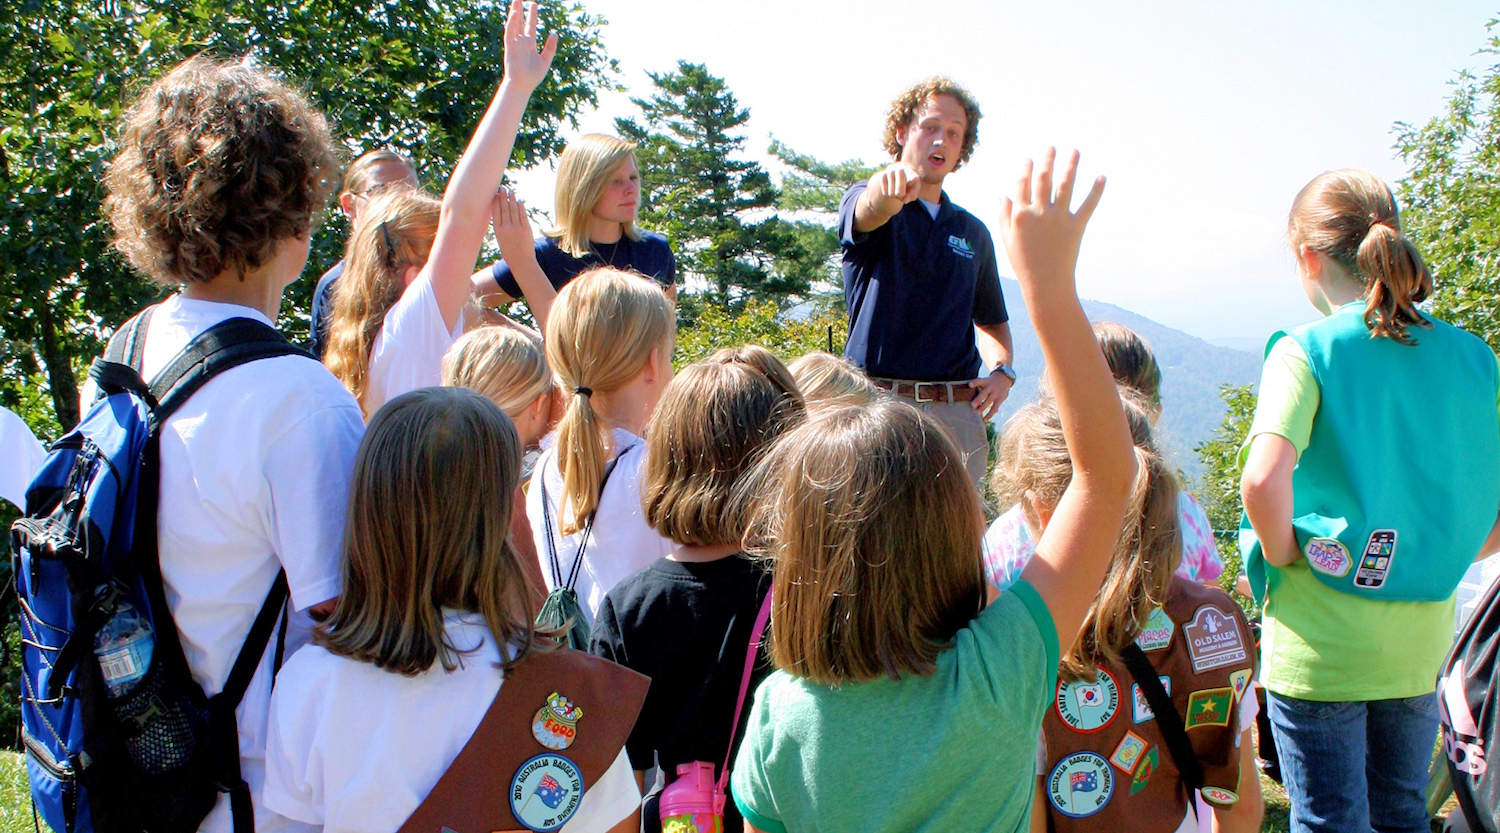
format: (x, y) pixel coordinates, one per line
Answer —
(513, 231)
(466, 202)
(888, 190)
(1042, 236)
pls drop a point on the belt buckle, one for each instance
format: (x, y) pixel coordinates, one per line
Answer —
(916, 391)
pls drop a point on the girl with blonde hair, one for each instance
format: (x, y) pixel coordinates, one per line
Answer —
(610, 345)
(399, 305)
(826, 379)
(598, 194)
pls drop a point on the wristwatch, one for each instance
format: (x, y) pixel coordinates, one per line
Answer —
(1010, 372)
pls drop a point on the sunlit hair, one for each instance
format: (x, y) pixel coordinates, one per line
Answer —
(429, 524)
(218, 163)
(603, 327)
(763, 360)
(582, 175)
(1034, 462)
(874, 530)
(906, 106)
(502, 363)
(826, 379)
(1130, 361)
(395, 232)
(359, 177)
(1350, 216)
(714, 420)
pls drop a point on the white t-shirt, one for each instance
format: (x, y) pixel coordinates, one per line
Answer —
(355, 749)
(255, 472)
(621, 542)
(408, 350)
(20, 458)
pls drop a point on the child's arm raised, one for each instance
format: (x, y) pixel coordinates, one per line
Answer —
(513, 232)
(466, 202)
(1042, 236)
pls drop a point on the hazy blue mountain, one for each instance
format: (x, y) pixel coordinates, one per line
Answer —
(1192, 371)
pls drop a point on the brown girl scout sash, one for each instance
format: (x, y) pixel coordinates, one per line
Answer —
(559, 721)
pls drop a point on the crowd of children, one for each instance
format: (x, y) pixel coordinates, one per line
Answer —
(536, 576)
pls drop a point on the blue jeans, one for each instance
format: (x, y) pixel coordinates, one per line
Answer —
(1353, 767)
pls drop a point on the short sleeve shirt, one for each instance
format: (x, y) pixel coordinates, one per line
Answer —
(650, 256)
(22, 456)
(915, 287)
(954, 750)
(408, 350)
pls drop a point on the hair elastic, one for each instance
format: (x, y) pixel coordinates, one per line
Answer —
(583, 391)
(390, 245)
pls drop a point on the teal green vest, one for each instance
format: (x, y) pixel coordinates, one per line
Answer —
(1400, 482)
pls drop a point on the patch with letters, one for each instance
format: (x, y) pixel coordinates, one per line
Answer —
(1213, 640)
(1219, 795)
(1140, 707)
(555, 724)
(1209, 707)
(1129, 752)
(1080, 785)
(1158, 631)
(1328, 556)
(1088, 706)
(1143, 771)
(960, 247)
(1239, 681)
(545, 792)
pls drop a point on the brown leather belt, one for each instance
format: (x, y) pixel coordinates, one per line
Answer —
(928, 391)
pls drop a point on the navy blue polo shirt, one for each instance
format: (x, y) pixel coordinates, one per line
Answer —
(650, 256)
(915, 288)
(322, 309)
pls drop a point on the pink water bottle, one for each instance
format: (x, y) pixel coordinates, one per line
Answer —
(693, 803)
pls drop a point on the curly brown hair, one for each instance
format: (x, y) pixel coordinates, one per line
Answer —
(906, 105)
(218, 163)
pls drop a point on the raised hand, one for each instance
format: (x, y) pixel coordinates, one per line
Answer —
(524, 65)
(512, 227)
(1041, 232)
(894, 186)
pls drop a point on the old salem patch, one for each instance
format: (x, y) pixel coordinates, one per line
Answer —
(1080, 785)
(1209, 707)
(1140, 707)
(1158, 631)
(1328, 556)
(1088, 706)
(1213, 640)
(545, 792)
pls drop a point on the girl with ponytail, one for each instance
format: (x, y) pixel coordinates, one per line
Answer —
(609, 341)
(1371, 481)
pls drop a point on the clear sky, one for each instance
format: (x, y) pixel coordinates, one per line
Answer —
(1206, 116)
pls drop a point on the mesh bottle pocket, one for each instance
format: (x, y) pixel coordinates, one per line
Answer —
(161, 727)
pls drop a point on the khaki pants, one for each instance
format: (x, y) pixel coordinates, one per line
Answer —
(967, 431)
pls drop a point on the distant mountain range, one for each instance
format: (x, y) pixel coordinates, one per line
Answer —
(1192, 371)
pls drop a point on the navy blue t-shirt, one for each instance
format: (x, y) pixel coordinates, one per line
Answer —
(650, 256)
(322, 309)
(915, 288)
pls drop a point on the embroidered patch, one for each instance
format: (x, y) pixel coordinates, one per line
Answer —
(555, 724)
(1328, 556)
(1239, 681)
(1128, 753)
(1213, 640)
(1375, 564)
(1219, 795)
(1080, 785)
(960, 246)
(1088, 706)
(1158, 632)
(1209, 707)
(545, 792)
(1140, 707)
(1143, 771)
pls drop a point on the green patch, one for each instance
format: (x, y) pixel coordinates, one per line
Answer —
(1209, 707)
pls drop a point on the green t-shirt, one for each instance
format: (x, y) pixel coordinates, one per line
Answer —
(1317, 644)
(955, 750)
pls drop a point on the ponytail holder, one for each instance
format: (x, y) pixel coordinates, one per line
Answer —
(583, 391)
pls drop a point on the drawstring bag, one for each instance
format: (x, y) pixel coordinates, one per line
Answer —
(560, 611)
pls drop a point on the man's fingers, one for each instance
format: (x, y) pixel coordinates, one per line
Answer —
(1043, 192)
(1065, 185)
(1091, 200)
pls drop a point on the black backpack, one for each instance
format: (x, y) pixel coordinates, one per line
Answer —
(118, 735)
(1469, 703)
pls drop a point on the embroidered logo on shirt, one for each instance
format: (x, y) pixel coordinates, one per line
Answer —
(1158, 631)
(1239, 681)
(545, 792)
(555, 724)
(1088, 706)
(960, 246)
(1129, 752)
(1209, 707)
(1080, 785)
(1143, 771)
(1375, 565)
(1140, 707)
(1328, 556)
(1213, 639)
(1219, 795)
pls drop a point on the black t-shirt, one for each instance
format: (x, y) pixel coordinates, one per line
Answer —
(650, 256)
(686, 626)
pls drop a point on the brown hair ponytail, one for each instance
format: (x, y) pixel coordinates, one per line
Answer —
(1351, 217)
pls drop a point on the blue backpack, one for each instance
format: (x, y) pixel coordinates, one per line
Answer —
(118, 736)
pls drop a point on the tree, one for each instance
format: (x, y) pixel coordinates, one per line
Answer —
(406, 74)
(1451, 197)
(1220, 494)
(716, 208)
(812, 189)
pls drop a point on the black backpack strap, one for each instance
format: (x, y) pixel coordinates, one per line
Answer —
(119, 368)
(228, 344)
(1167, 716)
